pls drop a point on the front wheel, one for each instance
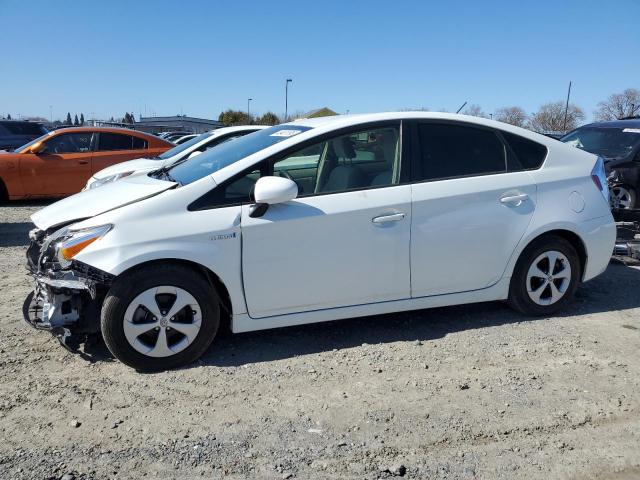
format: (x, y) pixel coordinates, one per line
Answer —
(546, 276)
(160, 317)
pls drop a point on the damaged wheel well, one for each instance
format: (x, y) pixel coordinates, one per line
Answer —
(211, 277)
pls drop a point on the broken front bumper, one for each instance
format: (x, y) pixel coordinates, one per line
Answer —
(66, 300)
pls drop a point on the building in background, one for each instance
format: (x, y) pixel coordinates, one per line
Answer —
(177, 123)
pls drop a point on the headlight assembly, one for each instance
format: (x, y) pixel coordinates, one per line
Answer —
(77, 240)
(111, 178)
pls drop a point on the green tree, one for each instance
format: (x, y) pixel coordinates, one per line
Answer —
(128, 118)
(68, 120)
(76, 122)
(8, 116)
(82, 119)
(230, 118)
(269, 118)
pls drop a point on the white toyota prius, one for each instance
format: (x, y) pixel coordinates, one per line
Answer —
(318, 220)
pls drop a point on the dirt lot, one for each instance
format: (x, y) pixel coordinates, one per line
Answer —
(464, 392)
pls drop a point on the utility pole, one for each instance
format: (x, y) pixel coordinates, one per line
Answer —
(248, 114)
(286, 98)
(566, 109)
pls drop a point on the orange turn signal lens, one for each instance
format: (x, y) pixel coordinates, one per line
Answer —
(73, 249)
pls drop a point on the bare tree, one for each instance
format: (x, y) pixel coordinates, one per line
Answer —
(475, 111)
(619, 105)
(550, 118)
(512, 115)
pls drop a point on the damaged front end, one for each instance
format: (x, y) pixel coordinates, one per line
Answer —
(68, 293)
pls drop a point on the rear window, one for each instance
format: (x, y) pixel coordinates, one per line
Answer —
(24, 128)
(117, 141)
(529, 155)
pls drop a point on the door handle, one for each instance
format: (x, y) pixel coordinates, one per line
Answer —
(394, 217)
(83, 162)
(514, 199)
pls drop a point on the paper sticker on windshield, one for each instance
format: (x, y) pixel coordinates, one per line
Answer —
(285, 133)
(631, 130)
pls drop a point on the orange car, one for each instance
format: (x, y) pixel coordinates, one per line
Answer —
(60, 163)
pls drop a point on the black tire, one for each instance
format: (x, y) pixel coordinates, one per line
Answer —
(519, 298)
(4, 195)
(127, 287)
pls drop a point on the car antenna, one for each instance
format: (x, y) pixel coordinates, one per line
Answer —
(461, 107)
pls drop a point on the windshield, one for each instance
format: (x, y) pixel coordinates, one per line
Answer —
(27, 145)
(230, 152)
(184, 146)
(606, 142)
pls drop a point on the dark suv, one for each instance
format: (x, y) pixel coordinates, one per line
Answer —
(15, 133)
(618, 142)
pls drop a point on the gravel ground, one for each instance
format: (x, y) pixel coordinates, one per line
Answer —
(467, 392)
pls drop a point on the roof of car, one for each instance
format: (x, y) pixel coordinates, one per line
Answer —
(628, 123)
(128, 131)
(103, 129)
(339, 121)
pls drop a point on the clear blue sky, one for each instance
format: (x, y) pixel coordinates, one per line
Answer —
(201, 57)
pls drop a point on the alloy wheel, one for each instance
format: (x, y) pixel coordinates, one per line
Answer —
(620, 197)
(548, 278)
(162, 321)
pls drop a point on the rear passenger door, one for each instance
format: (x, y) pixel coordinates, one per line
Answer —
(114, 148)
(472, 202)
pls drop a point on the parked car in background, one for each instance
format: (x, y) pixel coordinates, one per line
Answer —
(178, 153)
(60, 163)
(321, 219)
(15, 133)
(184, 138)
(618, 143)
(167, 134)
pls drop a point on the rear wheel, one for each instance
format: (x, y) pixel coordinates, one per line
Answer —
(160, 317)
(546, 276)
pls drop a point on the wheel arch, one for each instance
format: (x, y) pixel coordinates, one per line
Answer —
(569, 235)
(211, 277)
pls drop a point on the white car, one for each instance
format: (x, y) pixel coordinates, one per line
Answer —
(184, 138)
(192, 147)
(317, 220)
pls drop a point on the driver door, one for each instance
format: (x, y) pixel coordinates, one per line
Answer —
(61, 169)
(344, 241)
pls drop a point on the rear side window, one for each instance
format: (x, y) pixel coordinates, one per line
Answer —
(450, 151)
(139, 143)
(528, 155)
(115, 141)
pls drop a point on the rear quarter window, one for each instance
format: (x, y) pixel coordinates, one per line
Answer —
(527, 154)
(139, 143)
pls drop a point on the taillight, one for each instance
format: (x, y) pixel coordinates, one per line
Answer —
(599, 177)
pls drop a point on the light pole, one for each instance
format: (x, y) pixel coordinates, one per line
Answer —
(50, 113)
(248, 100)
(286, 98)
(566, 110)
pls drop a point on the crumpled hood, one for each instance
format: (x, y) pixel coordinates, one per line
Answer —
(136, 165)
(99, 200)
